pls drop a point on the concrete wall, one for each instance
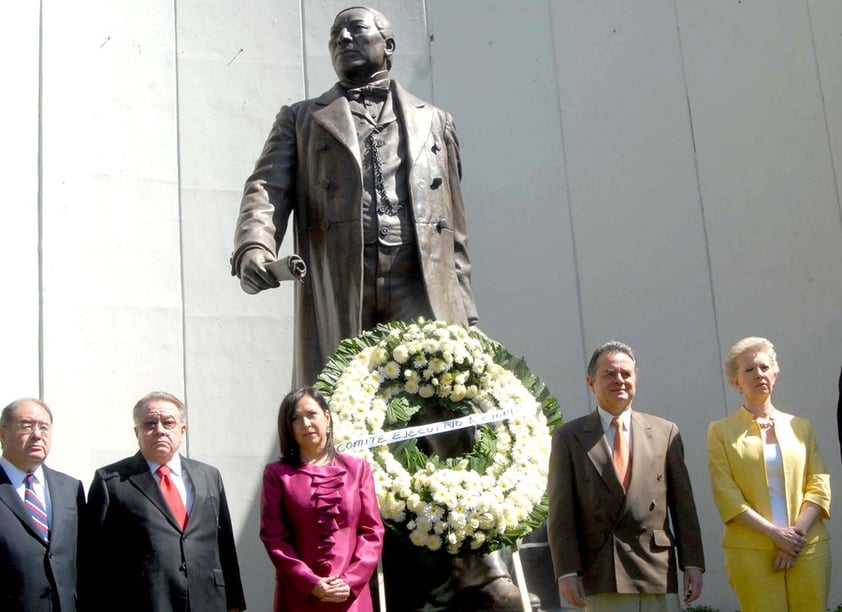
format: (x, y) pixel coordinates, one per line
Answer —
(666, 173)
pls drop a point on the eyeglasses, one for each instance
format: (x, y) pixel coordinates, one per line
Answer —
(151, 425)
(27, 426)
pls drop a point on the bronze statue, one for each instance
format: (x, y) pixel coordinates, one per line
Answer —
(372, 175)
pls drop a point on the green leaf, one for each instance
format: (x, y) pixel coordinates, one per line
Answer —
(401, 409)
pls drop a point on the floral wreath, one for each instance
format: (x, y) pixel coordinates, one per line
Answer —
(471, 504)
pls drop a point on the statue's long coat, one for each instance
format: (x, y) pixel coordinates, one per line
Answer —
(311, 166)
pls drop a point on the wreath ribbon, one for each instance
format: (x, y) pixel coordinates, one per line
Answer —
(431, 429)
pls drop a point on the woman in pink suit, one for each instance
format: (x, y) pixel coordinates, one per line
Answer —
(319, 518)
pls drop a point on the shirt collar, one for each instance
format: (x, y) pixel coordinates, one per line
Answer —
(17, 475)
(174, 464)
(606, 418)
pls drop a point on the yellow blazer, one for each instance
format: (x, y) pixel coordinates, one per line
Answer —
(738, 474)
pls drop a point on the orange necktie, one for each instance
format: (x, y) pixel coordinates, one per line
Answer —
(622, 459)
(171, 495)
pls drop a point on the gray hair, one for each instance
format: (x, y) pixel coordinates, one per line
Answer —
(162, 396)
(612, 346)
(9, 411)
(754, 344)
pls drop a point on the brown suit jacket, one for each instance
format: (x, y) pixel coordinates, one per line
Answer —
(622, 543)
(310, 167)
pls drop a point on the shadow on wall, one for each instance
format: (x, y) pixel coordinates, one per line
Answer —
(256, 569)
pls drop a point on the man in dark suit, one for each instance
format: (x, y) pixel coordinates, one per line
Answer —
(39, 515)
(158, 535)
(372, 175)
(620, 500)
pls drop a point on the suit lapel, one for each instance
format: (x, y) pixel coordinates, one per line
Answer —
(417, 120)
(791, 461)
(641, 453)
(593, 441)
(10, 498)
(57, 497)
(333, 113)
(141, 477)
(200, 489)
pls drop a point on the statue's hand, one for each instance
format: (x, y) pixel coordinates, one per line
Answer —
(254, 277)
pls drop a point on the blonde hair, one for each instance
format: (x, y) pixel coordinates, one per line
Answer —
(754, 344)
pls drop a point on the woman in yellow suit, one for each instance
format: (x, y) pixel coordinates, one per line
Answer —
(772, 490)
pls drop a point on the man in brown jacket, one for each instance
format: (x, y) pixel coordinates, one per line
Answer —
(371, 174)
(620, 501)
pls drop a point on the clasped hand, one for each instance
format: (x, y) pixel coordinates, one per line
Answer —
(331, 589)
(789, 541)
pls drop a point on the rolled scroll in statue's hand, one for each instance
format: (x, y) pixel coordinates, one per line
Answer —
(287, 268)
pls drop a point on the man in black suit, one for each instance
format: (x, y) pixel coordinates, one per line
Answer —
(39, 514)
(158, 531)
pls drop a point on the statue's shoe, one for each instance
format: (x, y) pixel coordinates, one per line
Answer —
(499, 595)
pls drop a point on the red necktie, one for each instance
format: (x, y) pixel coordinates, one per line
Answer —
(622, 459)
(171, 495)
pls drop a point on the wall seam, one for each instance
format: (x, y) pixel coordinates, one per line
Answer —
(304, 75)
(573, 248)
(180, 223)
(824, 111)
(40, 199)
(701, 200)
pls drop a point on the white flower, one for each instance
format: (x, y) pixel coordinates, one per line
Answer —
(458, 393)
(391, 370)
(401, 354)
(434, 542)
(426, 391)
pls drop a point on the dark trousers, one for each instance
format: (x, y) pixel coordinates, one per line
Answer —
(393, 286)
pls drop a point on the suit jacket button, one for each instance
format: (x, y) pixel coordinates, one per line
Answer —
(320, 145)
(384, 232)
(436, 183)
(325, 183)
(325, 225)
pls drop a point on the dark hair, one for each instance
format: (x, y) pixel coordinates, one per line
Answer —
(612, 346)
(9, 411)
(290, 451)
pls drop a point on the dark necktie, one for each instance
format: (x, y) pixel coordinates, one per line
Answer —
(376, 93)
(171, 495)
(622, 458)
(36, 508)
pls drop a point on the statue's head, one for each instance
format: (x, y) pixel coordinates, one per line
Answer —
(361, 43)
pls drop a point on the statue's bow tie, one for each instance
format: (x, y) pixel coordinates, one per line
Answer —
(376, 93)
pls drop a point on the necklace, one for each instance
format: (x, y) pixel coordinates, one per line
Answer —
(764, 425)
